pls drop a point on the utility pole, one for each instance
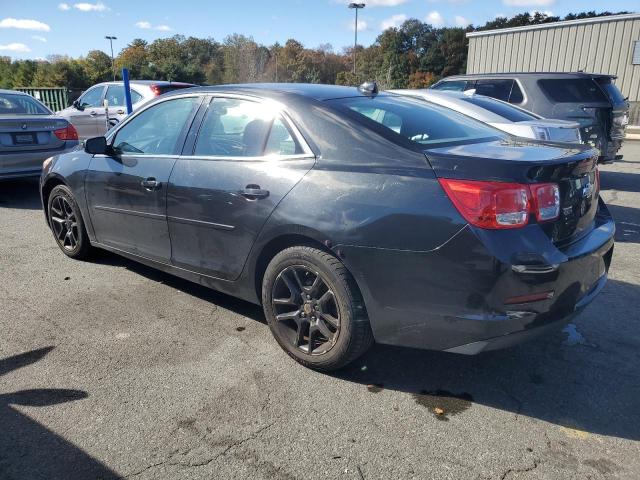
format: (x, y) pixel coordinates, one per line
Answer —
(113, 67)
(356, 7)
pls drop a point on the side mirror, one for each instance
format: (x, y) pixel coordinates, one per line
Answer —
(97, 146)
(77, 105)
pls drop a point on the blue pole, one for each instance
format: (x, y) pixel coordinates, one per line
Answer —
(127, 90)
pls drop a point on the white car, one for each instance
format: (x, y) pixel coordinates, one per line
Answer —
(501, 115)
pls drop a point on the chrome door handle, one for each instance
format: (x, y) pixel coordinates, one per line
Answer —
(120, 112)
(93, 114)
(150, 184)
(254, 192)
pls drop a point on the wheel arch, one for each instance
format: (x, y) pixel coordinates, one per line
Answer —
(50, 183)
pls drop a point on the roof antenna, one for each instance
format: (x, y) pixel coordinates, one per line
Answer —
(369, 89)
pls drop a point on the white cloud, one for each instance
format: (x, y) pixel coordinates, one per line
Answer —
(24, 24)
(435, 19)
(362, 25)
(528, 3)
(91, 7)
(64, 6)
(40, 38)
(147, 26)
(394, 21)
(15, 47)
(460, 21)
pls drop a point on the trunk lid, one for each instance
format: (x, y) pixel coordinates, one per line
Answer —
(30, 132)
(572, 167)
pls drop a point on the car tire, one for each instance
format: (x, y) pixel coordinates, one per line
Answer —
(314, 308)
(66, 223)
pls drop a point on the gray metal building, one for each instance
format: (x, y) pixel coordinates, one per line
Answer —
(608, 44)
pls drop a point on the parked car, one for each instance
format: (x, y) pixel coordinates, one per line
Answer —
(591, 99)
(29, 133)
(501, 115)
(88, 114)
(349, 215)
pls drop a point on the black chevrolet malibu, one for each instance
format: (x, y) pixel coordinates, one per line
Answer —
(350, 216)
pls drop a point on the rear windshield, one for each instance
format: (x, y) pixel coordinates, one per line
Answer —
(611, 90)
(505, 110)
(11, 104)
(418, 121)
(572, 90)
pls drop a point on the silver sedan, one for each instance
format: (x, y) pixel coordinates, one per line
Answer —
(29, 134)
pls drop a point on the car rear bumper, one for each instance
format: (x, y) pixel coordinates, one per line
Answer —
(28, 164)
(453, 298)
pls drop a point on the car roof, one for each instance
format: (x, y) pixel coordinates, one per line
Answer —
(314, 91)
(531, 74)
(160, 83)
(14, 92)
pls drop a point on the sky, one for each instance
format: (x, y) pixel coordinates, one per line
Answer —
(34, 29)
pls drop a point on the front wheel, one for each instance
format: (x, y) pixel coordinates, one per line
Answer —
(67, 224)
(314, 308)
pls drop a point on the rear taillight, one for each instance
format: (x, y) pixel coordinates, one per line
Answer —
(155, 89)
(67, 133)
(546, 201)
(499, 205)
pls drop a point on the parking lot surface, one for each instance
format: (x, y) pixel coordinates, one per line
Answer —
(109, 369)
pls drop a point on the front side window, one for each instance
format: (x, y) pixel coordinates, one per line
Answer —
(420, 122)
(242, 128)
(11, 104)
(156, 130)
(92, 98)
(500, 89)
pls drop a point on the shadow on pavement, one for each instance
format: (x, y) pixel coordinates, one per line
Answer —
(627, 223)
(592, 384)
(30, 450)
(621, 181)
(20, 194)
(228, 302)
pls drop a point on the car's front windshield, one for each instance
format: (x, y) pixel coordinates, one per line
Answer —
(420, 122)
(12, 104)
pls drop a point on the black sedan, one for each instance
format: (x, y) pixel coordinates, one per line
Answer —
(351, 216)
(30, 133)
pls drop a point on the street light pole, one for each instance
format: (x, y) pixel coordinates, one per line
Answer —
(356, 7)
(113, 67)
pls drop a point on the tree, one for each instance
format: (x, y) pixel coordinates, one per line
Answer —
(97, 67)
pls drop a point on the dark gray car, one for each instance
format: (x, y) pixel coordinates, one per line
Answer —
(590, 99)
(349, 216)
(30, 133)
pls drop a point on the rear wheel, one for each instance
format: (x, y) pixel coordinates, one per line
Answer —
(314, 308)
(67, 224)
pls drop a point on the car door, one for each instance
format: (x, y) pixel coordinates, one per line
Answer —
(247, 156)
(126, 192)
(84, 117)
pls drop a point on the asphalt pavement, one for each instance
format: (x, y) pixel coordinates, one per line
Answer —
(109, 369)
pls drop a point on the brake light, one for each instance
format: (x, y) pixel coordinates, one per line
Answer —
(546, 201)
(500, 205)
(67, 133)
(155, 89)
(493, 205)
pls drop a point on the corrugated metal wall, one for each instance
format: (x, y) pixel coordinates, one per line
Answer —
(602, 47)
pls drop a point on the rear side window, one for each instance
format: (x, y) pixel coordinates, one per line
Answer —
(505, 110)
(516, 94)
(241, 128)
(156, 130)
(115, 95)
(421, 122)
(496, 88)
(611, 90)
(11, 104)
(572, 90)
(452, 85)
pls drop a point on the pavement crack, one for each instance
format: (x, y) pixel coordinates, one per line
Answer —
(530, 468)
(141, 471)
(246, 439)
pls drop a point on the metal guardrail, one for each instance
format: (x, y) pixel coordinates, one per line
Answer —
(56, 98)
